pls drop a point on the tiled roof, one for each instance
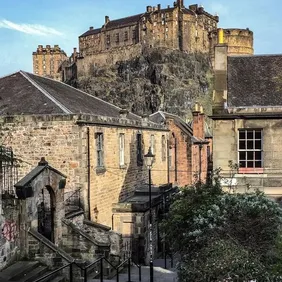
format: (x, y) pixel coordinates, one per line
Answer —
(24, 93)
(254, 81)
(123, 21)
(91, 32)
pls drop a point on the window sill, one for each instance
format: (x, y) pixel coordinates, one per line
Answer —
(123, 166)
(100, 170)
(251, 170)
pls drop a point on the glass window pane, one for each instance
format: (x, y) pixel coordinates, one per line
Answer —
(258, 144)
(258, 156)
(250, 134)
(241, 134)
(250, 145)
(250, 156)
(258, 134)
(242, 164)
(242, 156)
(258, 164)
(242, 145)
(250, 164)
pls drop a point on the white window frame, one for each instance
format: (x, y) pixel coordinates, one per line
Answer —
(152, 143)
(121, 149)
(99, 136)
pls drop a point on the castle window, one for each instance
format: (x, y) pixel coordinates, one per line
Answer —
(108, 39)
(125, 35)
(163, 22)
(155, 23)
(117, 37)
(166, 29)
(134, 34)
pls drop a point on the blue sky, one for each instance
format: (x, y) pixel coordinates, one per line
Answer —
(26, 24)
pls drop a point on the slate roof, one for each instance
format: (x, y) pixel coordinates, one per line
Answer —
(91, 32)
(254, 81)
(124, 21)
(160, 118)
(24, 93)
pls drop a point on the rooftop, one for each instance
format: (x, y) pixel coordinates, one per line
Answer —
(254, 81)
(23, 93)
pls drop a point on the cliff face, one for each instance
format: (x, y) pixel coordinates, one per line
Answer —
(165, 80)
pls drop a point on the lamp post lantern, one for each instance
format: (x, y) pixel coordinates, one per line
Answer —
(149, 159)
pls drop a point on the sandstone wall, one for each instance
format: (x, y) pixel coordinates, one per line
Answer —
(225, 148)
(115, 183)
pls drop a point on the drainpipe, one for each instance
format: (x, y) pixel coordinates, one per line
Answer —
(175, 158)
(168, 168)
(88, 172)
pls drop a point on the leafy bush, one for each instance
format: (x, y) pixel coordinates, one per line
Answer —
(223, 236)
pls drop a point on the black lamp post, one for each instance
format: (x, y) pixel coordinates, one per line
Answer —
(149, 159)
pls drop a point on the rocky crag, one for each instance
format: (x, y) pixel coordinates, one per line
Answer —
(159, 79)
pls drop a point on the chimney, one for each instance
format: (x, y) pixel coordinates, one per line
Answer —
(123, 113)
(180, 3)
(145, 120)
(168, 6)
(91, 28)
(74, 54)
(159, 7)
(48, 46)
(193, 8)
(198, 121)
(107, 19)
(149, 9)
(220, 78)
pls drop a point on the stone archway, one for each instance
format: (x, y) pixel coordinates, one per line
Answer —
(46, 213)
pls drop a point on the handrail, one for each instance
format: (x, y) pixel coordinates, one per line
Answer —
(76, 191)
(54, 249)
(56, 271)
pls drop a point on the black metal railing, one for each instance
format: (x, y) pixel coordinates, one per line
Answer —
(8, 171)
(53, 273)
(73, 202)
(102, 261)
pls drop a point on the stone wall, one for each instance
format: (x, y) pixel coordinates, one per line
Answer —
(115, 183)
(225, 149)
(64, 145)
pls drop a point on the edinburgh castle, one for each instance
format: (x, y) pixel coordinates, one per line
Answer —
(188, 29)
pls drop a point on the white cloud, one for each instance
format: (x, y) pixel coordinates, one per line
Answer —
(30, 28)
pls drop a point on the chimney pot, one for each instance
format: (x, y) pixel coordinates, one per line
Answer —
(91, 28)
(149, 9)
(159, 7)
(123, 113)
(107, 19)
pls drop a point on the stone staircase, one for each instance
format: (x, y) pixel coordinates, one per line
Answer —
(28, 271)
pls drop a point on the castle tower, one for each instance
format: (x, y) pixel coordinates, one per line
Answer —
(239, 41)
(47, 61)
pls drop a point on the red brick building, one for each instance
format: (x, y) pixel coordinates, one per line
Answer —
(189, 147)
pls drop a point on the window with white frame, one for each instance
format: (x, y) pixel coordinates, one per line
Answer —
(152, 143)
(121, 149)
(163, 148)
(100, 149)
(250, 148)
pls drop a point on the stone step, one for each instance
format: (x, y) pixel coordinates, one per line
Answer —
(18, 270)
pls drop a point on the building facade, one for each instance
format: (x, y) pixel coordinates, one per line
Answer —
(47, 61)
(189, 147)
(99, 147)
(247, 121)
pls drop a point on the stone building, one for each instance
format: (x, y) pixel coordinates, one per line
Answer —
(247, 120)
(47, 61)
(189, 147)
(176, 27)
(96, 145)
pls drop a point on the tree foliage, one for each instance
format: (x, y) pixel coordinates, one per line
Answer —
(225, 236)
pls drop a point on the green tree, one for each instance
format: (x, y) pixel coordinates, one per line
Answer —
(225, 237)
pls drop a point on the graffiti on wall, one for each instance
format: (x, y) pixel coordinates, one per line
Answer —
(9, 231)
